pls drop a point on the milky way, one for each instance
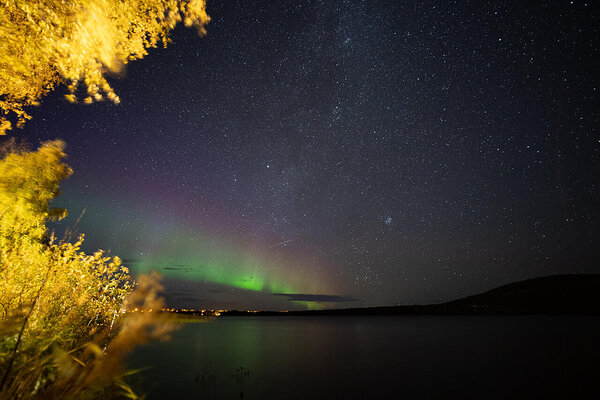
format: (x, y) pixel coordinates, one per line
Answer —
(362, 153)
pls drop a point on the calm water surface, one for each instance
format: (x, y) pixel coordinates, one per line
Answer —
(375, 358)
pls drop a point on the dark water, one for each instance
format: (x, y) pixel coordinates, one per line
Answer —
(376, 358)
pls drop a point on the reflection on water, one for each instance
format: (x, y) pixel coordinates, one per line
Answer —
(374, 357)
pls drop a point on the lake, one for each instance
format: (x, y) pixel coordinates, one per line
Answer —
(482, 357)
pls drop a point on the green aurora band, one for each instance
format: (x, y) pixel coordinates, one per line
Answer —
(181, 251)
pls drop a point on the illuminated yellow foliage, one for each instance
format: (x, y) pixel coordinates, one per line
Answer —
(47, 42)
(28, 181)
(59, 307)
(65, 283)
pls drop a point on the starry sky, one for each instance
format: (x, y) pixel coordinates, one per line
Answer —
(324, 154)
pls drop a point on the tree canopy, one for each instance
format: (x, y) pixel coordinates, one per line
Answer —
(77, 42)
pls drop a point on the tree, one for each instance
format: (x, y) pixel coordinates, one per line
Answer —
(49, 42)
(58, 305)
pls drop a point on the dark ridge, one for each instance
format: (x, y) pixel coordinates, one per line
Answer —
(550, 295)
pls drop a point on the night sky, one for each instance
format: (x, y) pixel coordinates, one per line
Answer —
(328, 154)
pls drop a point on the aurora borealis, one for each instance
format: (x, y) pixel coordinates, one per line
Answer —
(345, 153)
(182, 252)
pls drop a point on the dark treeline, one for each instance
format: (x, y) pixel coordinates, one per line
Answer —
(551, 295)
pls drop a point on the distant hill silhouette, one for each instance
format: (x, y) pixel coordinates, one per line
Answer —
(559, 294)
(550, 295)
